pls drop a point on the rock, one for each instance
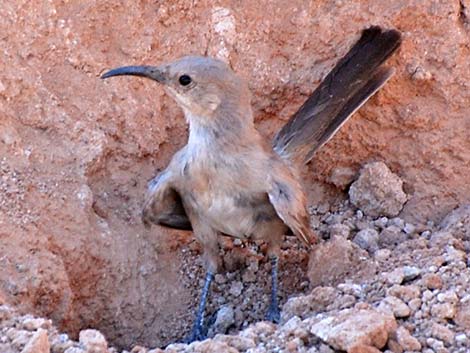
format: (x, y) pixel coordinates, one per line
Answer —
(381, 222)
(342, 177)
(74, 350)
(443, 239)
(410, 273)
(426, 234)
(39, 343)
(220, 279)
(224, 319)
(382, 254)
(462, 317)
(236, 289)
(442, 333)
(351, 327)
(303, 305)
(333, 219)
(261, 329)
(332, 261)
(391, 237)
(415, 304)
(461, 339)
(5, 314)
(60, 343)
(396, 276)
(457, 222)
(436, 345)
(351, 288)
(427, 296)
(340, 230)
(409, 228)
(249, 276)
(238, 342)
(377, 191)
(19, 338)
(432, 281)
(448, 297)
(139, 349)
(395, 306)
(408, 342)
(211, 346)
(443, 310)
(362, 348)
(156, 350)
(290, 326)
(405, 293)
(367, 239)
(293, 345)
(394, 346)
(32, 324)
(398, 222)
(93, 341)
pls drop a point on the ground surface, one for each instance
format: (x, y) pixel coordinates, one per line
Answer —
(413, 288)
(76, 152)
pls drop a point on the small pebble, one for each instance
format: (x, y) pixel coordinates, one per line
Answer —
(406, 340)
(236, 288)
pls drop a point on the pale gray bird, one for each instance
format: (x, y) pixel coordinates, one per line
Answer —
(228, 179)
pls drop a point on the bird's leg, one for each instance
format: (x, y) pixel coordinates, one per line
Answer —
(273, 311)
(197, 333)
(274, 250)
(212, 262)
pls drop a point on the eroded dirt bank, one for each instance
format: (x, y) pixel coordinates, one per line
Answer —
(76, 152)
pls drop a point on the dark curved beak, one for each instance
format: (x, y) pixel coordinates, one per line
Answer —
(152, 72)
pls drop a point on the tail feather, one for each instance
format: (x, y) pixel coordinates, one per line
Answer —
(355, 78)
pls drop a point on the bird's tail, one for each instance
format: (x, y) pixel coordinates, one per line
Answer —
(355, 78)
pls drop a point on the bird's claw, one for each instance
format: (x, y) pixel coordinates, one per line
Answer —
(273, 314)
(196, 335)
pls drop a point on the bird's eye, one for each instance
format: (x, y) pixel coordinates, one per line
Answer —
(184, 80)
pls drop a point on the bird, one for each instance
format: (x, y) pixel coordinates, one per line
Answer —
(230, 180)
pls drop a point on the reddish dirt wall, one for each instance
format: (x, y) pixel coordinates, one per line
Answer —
(76, 152)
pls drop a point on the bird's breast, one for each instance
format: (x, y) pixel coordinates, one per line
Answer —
(228, 190)
(230, 209)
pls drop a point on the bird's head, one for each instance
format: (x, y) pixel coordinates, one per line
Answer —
(202, 86)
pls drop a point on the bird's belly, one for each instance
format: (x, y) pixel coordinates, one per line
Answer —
(226, 216)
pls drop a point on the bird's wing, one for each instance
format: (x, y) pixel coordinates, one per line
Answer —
(290, 207)
(163, 204)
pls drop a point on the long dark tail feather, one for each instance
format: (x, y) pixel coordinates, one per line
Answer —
(355, 78)
(352, 105)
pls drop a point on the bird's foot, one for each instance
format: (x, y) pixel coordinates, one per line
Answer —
(273, 314)
(197, 334)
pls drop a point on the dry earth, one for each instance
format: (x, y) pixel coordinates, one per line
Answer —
(76, 153)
